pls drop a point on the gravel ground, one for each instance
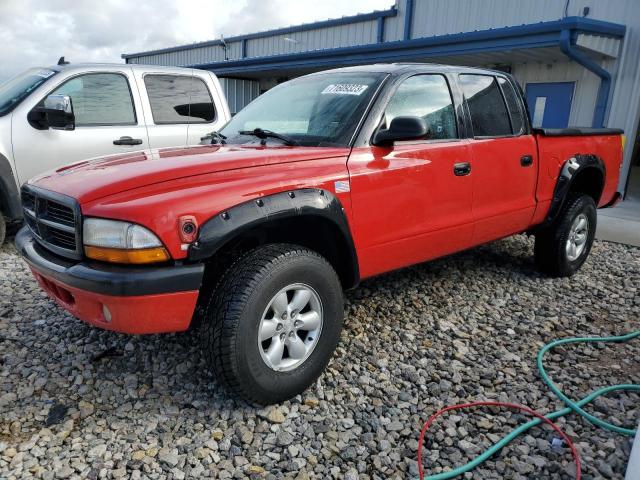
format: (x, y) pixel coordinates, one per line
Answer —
(77, 402)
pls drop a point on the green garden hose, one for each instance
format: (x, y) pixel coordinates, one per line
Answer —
(571, 407)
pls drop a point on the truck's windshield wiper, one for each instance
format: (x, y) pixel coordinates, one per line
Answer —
(264, 134)
(213, 138)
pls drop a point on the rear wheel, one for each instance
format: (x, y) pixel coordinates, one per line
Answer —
(3, 228)
(562, 248)
(273, 322)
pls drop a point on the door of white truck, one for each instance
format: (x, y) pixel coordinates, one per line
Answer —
(180, 107)
(108, 115)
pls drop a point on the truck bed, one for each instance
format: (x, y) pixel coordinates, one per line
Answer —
(557, 145)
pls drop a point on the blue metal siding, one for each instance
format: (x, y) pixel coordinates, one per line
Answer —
(239, 92)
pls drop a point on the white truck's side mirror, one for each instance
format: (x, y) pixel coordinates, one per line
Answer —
(56, 112)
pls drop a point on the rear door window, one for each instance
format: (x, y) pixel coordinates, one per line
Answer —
(425, 96)
(515, 112)
(100, 99)
(177, 99)
(489, 115)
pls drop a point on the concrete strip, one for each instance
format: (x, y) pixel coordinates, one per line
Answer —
(620, 224)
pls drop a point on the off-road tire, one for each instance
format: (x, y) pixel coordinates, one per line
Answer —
(550, 245)
(234, 310)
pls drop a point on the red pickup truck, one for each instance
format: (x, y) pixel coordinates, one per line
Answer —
(319, 183)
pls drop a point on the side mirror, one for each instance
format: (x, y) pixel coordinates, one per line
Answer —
(402, 128)
(56, 112)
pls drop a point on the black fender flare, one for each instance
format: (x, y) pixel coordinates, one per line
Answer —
(9, 195)
(571, 170)
(305, 202)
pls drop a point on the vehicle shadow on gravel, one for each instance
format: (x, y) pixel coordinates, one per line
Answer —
(159, 356)
(512, 255)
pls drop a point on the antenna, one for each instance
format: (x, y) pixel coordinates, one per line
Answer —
(224, 46)
(62, 61)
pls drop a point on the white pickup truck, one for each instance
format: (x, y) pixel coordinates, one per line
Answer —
(62, 114)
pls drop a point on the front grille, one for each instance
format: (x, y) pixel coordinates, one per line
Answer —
(62, 239)
(54, 220)
(60, 213)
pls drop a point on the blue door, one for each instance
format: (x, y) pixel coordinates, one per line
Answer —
(550, 103)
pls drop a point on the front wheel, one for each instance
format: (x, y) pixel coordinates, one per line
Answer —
(273, 322)
(562, 248)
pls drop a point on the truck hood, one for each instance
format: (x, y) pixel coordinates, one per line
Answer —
(94, 179)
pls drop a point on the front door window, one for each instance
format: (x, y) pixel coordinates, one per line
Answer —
(100, 99)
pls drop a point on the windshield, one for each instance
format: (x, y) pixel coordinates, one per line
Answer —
(318, 110)
(15, 90)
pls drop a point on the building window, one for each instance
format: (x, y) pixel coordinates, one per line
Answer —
(489, 115)
(100, 99)
(179, 99)
(425, 96)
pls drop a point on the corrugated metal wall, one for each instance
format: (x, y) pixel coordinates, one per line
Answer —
(239, 92)
(360, 33)
(625, 103)
(439, 17)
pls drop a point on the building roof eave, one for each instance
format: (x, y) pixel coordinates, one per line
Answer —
(538, 35)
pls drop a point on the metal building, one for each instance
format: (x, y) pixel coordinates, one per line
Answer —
(577, 60)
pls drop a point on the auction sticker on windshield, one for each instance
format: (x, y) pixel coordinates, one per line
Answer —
(45, 73)
(344, 89)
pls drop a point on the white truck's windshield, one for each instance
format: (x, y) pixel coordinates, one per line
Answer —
(15, 90)
(318, 110)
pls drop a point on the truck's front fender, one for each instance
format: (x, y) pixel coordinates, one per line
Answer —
(310, 203)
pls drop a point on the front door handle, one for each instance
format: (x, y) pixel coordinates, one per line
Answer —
(462, 169)
(127, 141)
(526, 160)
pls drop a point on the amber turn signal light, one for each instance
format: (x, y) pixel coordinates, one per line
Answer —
(137, 257)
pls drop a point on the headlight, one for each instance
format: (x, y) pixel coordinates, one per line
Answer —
(121, 242)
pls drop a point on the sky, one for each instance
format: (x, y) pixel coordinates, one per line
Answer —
(38, 32)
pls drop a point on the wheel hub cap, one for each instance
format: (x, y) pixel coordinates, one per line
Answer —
(577, 239)
(290, 327)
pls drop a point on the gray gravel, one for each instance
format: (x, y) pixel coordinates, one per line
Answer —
(77, 402)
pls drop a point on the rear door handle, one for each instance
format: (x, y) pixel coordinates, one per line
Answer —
(127, 141)
(526, 160)
(462, 169)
